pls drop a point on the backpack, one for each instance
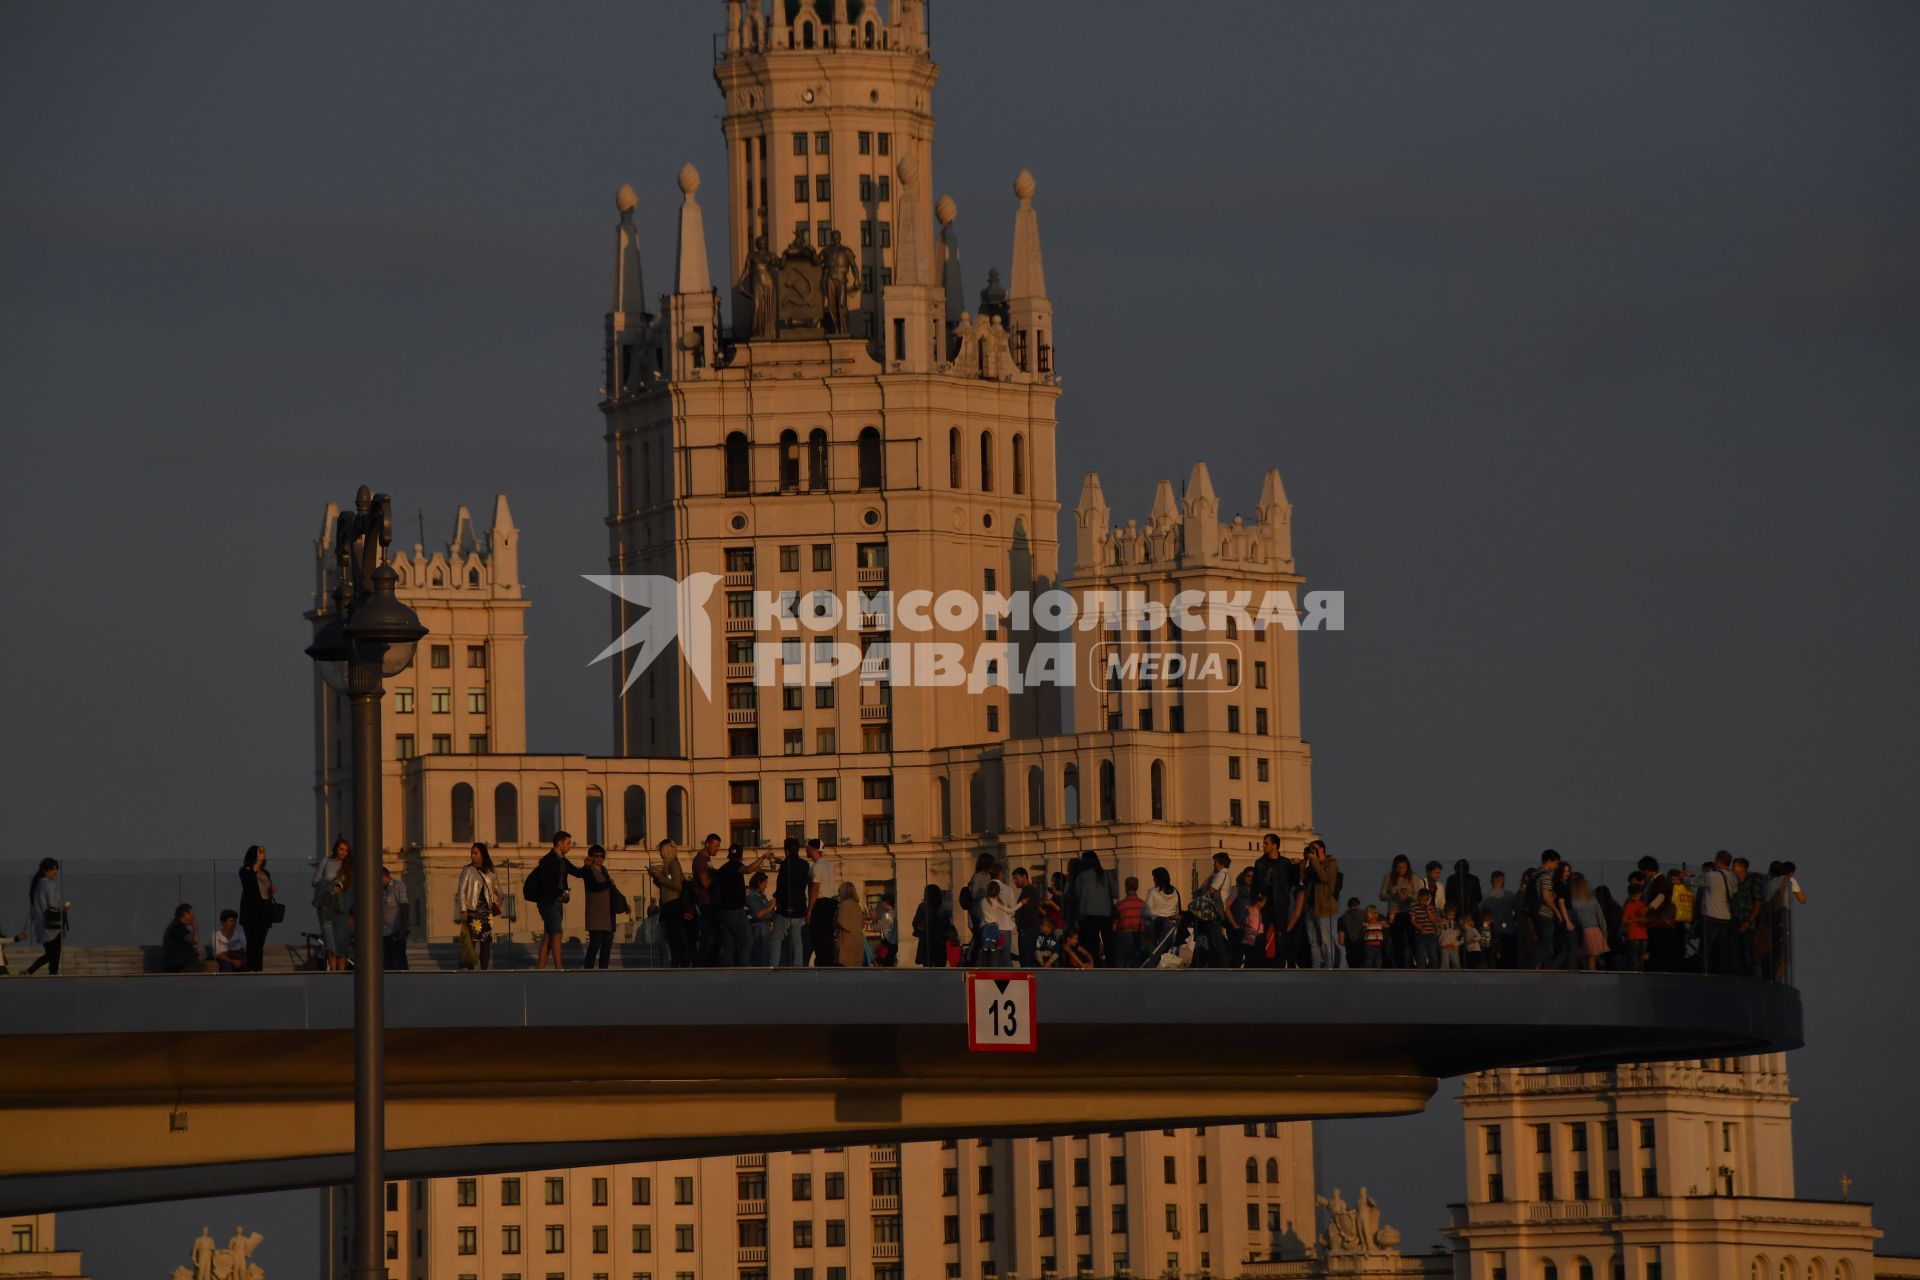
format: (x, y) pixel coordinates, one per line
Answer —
(966, 896)
(534, 887)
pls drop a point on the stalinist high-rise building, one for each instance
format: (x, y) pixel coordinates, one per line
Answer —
(822, 402)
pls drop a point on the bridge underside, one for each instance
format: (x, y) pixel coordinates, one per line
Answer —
(115, 1089)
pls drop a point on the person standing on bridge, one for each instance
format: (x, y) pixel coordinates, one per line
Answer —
(677, 906)
(258, 910)
(1095, 890)
(478, 897)
(792, 894)
(546, 888)
(333, 902)
(850, 924)
(821, 896)
(46, 917)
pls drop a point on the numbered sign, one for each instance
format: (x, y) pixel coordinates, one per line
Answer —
(1000, 1012)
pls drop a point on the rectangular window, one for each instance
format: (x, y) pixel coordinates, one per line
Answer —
(403, 701)
(952, 1228)
(510, 1239)
(1496, 1188)
(1261, 770)
(821, 141)
(1046, 1222)
(1233, 767)
(509, 1191)
(683, 1190)
(993, 719)
(1543, 1139)
(986, 1219)
(599, 1190)
(467, 1241)
(556, 1190)
(442, 656)
(823, 695)
(791, 743)
(1235, 817)
(476, 702)
(1119, 1219)
(802, 1233)
(1581, 1187)
(1545, 1187)
(1649, 1181)
(886, 144)
(800, 188)
(683, 1238)
(823, 557)
(1646, 1135)
(866, 188)
(823, 742)
(886, 188)
(642, 1238)
(803, 1186)
(886, 235)
(403, 748)
(743, 742)
(1116, 1171)
(476, 656)
(1266, 813)
(743, 791)
(443, 744)
(476, 744)
(1169, 1170)
(643, 1190)
(865, 142)
(440, 701)
(1233, 719)
(1083, 1220)
(790, 558)
(1490, 1137)
(822, 188)
(836, 1186)
(1173, 1218)
(836, 1233)
(466, 1191)
(799, 144)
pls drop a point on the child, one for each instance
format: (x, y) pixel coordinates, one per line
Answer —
(1375, 939)
(1489, 933)
(1633, 918)
(1129, 926)
(1077, 956)
(1426, 932)
(1353, 934)
(1253, 932)
(1046, 947)
(1472, 945)
(1450, 940)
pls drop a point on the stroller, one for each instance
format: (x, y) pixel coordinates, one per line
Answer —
(1171, 939)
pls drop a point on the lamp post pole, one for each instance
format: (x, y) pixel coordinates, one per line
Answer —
(368, 636)
(365, 687)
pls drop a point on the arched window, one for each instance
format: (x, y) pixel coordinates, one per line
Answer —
(634, 812)
(549, 814)
(473, 577)
(979, 817)
(871, 475)
(1273, 1169)
(944, 789)
(596, 816)
(1157, 787)
(462, 806)
(739, 465)
(1109, 789)
(1583, 1269)
(806, 35)
(677, 815)
(953, 458)
(506, 814)
(1548, 1271)
(789, 461)
(817, 474)
(1019, 464)
(869, 30)
(986, 462)
(1036, 797)
(1070, 795)
(1253, 1172)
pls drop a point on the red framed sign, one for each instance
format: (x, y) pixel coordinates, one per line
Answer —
(1000, 1011)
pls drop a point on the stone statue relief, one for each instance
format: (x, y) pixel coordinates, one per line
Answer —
(1355, 1229)
(757, 282)
(235, 1262)
(841, 286)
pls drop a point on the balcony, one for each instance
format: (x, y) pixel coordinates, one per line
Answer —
(756, 1161)
(750, 1208)
(748, 716)
(739, 671)
(873, 622)
(737, 625)
(753, 1253)
(740, 577)
(884, 1153)
(886, 1204)
(875, 711)
(871, 577)
(886, 1250)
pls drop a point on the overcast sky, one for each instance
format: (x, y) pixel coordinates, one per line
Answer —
(1585, 338)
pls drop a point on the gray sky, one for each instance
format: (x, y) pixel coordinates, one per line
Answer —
(1584, 336)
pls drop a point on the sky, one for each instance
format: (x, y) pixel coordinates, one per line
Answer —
(1586, 337)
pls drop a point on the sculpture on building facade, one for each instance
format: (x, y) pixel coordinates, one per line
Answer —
(757, 283)
(840, 285)
(1356, 1228)
(235, 1262)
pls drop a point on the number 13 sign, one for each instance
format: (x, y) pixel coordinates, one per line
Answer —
(1000, 1012)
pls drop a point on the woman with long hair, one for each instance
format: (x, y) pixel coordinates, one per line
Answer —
(1163, 907)
(1398, 888)
(1094, 893)
(850, 928)
(1588, 919)
(256, 906)
(333, 902)
(46, 917)
(1569, 947)
(477, 896)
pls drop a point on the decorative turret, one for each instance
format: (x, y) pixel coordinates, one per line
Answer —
(503, 542)
(627, 317)
(1276, 519)
(1091, 525)
(693, 314)
(1201, 515)
(912, 306)
(1030, 311)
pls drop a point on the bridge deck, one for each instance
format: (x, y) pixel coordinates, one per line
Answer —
(520, 1070)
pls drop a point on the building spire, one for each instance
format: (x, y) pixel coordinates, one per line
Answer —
(628, 295)
(950, 276)
(909, 258)
(1031, 313)
(1091, 524)
(691, 274)
(1276, 517)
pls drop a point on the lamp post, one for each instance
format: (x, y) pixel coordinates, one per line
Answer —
(368, 636)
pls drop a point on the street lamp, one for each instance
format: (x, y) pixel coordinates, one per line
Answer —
(369, 635)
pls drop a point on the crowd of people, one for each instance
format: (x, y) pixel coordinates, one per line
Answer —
(721, 909)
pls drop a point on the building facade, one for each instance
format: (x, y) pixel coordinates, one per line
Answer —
(1651, 1171)
(28, 1248)
(856, 434)
(1184, 1202)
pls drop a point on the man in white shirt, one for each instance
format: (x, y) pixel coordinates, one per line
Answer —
(1713, 907)
(229, 946)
